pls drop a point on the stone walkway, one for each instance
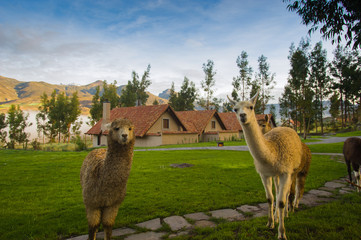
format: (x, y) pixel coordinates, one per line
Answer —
(155, 229)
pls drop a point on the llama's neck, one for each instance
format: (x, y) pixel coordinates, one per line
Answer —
(259, 146)
(120, 155)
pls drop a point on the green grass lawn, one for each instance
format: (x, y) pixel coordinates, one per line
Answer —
(41, 194)
(327, 148)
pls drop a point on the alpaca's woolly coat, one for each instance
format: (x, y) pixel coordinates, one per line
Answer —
(105, 172)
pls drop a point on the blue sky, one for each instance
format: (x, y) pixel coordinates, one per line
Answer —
(79, 41)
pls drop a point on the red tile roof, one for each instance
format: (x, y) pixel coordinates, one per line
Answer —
(198, 120)
(230, 121)
(143, 118)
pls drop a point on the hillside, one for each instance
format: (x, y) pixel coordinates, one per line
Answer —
(27, 94)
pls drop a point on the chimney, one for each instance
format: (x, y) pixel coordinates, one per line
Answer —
(106, 115)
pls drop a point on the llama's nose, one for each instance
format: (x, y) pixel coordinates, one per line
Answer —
(242, 117)
(124, 135)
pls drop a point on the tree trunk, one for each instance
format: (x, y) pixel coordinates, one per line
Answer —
(321, 115)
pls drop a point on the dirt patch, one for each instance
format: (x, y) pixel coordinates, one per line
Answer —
(181, 165)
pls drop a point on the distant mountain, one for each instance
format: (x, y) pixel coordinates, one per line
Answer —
(27, 94)
(165, 94)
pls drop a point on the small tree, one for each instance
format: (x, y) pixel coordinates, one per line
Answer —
(266, 82)
(3, 125)
(209, 82)
(184, 100)
(242, 82)
(335, 107)
(17, 122)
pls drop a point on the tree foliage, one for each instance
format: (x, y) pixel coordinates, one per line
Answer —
(135, 93)
(263, 82)
(208, 83)
(319, 79)
(57, 114)
(333, 18)
(17, 122)
(185, 98)
(3, 125)
(241, 83)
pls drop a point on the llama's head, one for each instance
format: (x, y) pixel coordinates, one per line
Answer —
(245, 110)
(121, 131)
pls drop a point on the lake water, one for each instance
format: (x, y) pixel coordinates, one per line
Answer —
(32, 129)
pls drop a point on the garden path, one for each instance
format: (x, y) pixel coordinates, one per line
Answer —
(182, 225)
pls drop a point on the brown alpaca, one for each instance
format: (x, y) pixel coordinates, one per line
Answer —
(352, 154)
(277, 154)
(104, 176)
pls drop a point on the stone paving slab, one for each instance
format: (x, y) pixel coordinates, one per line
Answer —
(320, 193)
(248, 208)
(153, 224)
(229, 214)
(82, 237)
(263, 206)
(334, 185)
(205, 223)
(146, 236)
(182, 233)
(176, 223)
(197, 216)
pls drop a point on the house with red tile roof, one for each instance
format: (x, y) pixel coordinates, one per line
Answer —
(208, 124)
(153, 125)
(231, 122)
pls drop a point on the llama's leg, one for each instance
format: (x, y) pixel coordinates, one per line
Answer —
(285, 184)
(300, 188)
(93, 216)
(291, 197)
(267, 183)
(277, 183)
(108, 219)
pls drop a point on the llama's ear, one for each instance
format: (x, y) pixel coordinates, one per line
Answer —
(253, 100)
(266, 118)
(231, 101)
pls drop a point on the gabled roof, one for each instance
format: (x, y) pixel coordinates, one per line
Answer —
(230, 121)
(143, 118)
(198, 120)
(266, 117)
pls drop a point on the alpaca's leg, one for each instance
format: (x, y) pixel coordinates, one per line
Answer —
(108, 219)
(267, 183)
(300, 188)
(356, 172)
(277, 183)
(93, 216)
(292, 196)
(285, 184)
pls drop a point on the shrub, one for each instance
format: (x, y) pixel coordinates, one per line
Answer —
(80, 144)
(35, 144)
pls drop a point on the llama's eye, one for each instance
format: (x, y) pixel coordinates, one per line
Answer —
(116, 129)
(251, 107)
(130, 129)
(235, 109)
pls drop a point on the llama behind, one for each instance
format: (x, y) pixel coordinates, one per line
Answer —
(352, 154)
(104, 175)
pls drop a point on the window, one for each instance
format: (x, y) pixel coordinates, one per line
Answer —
(165, 123)
(213, 124)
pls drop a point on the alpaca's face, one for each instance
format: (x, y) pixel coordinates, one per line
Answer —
(244, 111)
(122, 131)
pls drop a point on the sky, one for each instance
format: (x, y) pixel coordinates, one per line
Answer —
(82, 41)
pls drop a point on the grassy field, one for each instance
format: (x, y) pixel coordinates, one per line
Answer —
(41, 195)
(327, 148)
